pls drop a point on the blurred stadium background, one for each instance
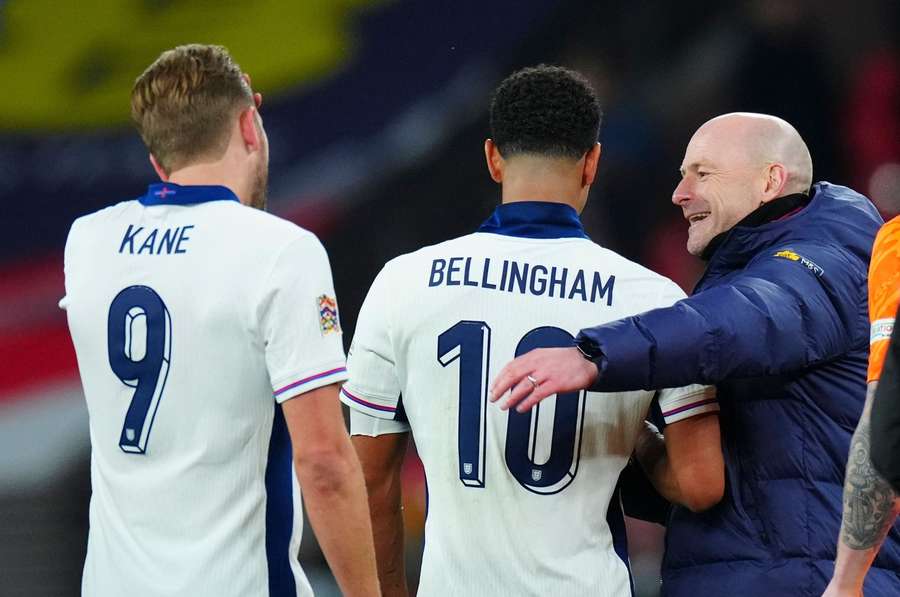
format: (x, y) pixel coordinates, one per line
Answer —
(376, 111)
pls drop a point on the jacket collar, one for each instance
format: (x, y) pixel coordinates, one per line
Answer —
(169, 193)
(835, 215)
(781, 207)
(534, 219)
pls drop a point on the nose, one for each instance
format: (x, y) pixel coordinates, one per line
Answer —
(682, 193)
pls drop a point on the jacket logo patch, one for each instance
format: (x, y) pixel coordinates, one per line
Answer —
(788, 254)
(792, 256)
(328, 315)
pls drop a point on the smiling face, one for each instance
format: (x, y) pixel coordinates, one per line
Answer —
(721, 183)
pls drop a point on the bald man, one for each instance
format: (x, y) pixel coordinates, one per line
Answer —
(779, 324)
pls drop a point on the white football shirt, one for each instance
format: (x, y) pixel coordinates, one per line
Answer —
(518, 504)
(192, 316)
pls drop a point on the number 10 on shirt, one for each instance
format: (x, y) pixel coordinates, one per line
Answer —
(470, 343)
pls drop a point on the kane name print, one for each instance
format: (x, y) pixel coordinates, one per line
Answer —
(524, 278)
(155, 241)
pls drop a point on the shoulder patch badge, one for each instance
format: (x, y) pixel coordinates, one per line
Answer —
(881, 329)
(793, 256)
(328, 314)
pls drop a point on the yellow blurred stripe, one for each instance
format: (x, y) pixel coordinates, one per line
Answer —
(70, 64)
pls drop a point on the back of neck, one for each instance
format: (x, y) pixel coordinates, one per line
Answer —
(209, 174)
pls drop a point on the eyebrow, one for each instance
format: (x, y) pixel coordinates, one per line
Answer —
(692, 166)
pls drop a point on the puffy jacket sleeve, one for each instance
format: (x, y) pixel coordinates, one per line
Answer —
(784, 312)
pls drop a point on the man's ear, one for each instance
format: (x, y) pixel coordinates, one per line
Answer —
(257, 97)
(249, 130)
(494, 160)
(591, 160)
(776, 181)
(159, 169)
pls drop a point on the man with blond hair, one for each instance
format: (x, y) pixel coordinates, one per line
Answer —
(206, 331)
(779, 324)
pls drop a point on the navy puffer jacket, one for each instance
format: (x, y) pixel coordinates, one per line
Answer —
(779, 324)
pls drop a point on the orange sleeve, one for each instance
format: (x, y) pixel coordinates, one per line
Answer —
(884, 294)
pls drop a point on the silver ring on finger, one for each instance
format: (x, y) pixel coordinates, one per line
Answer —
(534, 382)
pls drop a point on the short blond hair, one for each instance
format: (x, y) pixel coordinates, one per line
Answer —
(183, 103)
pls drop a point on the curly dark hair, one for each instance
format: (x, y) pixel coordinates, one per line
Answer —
(545, 110)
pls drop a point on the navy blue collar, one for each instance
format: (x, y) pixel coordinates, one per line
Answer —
(169, 193)
(534, 219)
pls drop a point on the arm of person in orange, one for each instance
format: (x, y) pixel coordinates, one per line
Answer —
(886, 417)
(870, 504)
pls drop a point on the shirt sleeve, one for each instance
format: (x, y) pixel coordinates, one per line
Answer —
(678, 404)
(374, 387)
(884, 294)
(299, 322)
(670, 294)
(365, 424)
(68, 264)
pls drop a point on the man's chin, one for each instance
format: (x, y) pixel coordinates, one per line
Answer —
(696, 247)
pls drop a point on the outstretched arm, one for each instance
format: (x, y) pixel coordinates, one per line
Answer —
(777, 317)
(870, 508)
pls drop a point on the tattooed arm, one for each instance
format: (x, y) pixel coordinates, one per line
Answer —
(870, 508)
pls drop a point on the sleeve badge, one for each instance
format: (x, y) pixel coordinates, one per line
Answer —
(328, 315)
